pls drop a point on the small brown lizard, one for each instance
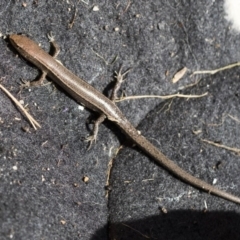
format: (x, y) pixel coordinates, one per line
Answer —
(94, 100)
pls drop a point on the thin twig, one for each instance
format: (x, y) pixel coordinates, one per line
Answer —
(236, 150)
(234, 118)
(34, 123)
(162, 97)
(70, 25)
(145, 236)
(217, 70)
(128, 5)
(100, 56)
(105, 61)
(86, 2)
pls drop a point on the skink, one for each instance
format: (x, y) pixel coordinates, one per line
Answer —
(84, 93)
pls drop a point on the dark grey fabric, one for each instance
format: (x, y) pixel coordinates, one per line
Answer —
(43, 194)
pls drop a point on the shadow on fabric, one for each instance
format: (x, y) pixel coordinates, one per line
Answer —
(177, 225)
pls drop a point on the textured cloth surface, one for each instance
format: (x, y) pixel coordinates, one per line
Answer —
(53, 188)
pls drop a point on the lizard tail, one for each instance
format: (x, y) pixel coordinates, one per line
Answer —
(169, 165)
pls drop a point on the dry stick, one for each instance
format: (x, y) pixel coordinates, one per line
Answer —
(218, 69)
(86, 2)
(105, 61)
(70, 25)
(109, 170)
(128, 5)
(236, 150)
(34, 123)
(98, 55)
(145, 236)
(234, 118)
(162, 97)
